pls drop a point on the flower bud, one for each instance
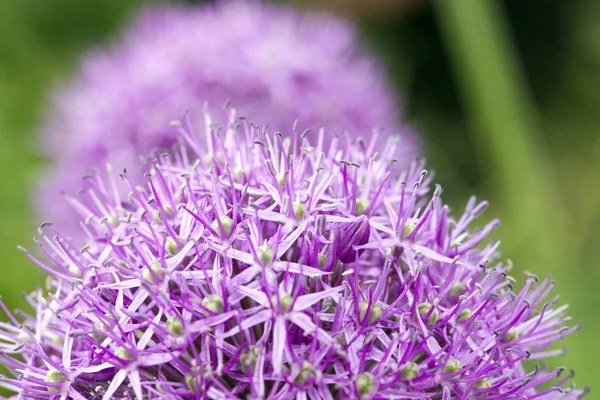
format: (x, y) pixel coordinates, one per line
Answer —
(424, 309)
(239, 173)
(322, 260)
(113, 220)
(299, 210)
(227, 224)
(330, 307)
(23, 336)
(190, 381)
(174, 326)
(453, 365)
(456, 289)
(214, 303)
(354, 234)
(54, 376)
(156, 268)
(365, 383)
(408, 229)
(361, 206)
(374, 314)
(482, 384)
(265, 254)
(306, 373)
(511, 335)
(248, 358)
(74, 269)
(171, 246)
(410, 370)
(123, 354)
(281, 180)
(464, 315)
(285, 299)
(191, 378)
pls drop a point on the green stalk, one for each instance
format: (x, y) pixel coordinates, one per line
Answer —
(504, 128)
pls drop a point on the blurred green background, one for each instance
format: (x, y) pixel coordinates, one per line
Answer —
(505, 94)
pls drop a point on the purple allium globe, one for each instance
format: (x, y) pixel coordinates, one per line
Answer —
(277, 63)
(279, 269)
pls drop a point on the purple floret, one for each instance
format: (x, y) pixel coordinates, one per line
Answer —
(269, 267)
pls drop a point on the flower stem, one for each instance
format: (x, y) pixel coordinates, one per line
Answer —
(504, 128)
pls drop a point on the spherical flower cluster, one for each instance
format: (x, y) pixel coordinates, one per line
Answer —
(274, 268)
(276, 64)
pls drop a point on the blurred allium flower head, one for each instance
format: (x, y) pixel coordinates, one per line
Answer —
(276, 63)
(273, 267)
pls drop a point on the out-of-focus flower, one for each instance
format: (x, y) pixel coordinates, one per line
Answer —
(275, 63)
(360, 8)
(269, 267)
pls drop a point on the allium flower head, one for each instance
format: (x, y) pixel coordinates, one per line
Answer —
(276, 63)
(280, 269)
